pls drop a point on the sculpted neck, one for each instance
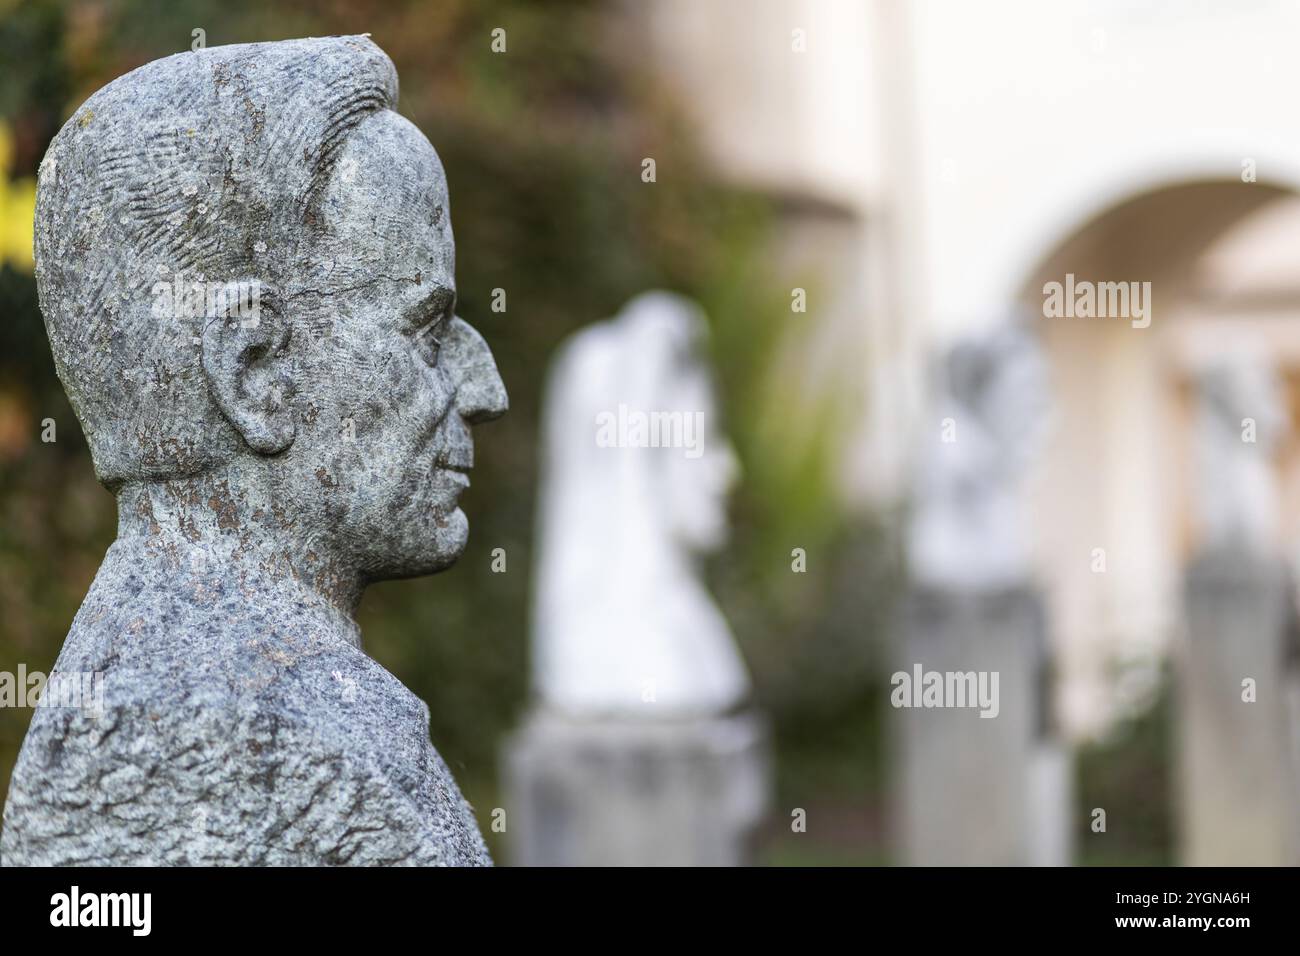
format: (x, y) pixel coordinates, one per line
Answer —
(228, 526)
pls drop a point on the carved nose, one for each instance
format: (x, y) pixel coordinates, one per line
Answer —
(480, 393)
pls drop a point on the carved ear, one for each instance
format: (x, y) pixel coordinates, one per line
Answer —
(246, 363)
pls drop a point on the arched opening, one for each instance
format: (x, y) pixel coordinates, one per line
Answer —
(1116, 504)
(1114, 477)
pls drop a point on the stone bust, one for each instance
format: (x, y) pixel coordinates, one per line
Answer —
(1240, 420)
(634, 479)
(969, 526)
(245, 264)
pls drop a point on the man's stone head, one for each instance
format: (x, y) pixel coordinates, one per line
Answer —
(327, 370)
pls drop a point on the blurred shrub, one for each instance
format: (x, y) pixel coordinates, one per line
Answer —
(1130, 774)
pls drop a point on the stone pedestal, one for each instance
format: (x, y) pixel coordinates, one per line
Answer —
(635, 793)
(971, 790)
(1050, 811)
(1237, 790)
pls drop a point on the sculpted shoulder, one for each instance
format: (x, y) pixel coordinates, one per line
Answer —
(269, 751)
(234, 732)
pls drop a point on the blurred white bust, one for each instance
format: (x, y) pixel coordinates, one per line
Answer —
(968, 528)
(634, 480)
(1240, 416)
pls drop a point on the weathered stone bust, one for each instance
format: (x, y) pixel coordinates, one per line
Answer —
(274, 448)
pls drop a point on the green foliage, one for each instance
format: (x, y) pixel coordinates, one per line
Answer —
(1129, 774)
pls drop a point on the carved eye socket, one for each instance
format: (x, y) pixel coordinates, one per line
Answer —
(436, 313)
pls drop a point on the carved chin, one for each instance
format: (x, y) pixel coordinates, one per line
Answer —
(449, 540)
(427, 542)
(442, 546)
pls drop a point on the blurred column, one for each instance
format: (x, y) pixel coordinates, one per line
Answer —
(1238, 794)
(1237, 775)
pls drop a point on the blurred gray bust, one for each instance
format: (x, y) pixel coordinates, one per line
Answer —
(1240, 417)
(245, 265)
(635, 475)
(968, 528)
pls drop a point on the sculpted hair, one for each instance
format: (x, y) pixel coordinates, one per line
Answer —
(209, 167)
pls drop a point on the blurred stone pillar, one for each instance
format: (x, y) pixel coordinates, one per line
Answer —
(1291, 694)
(977, 791)
(636, 793)
(1238, 793)
(1238, 773)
